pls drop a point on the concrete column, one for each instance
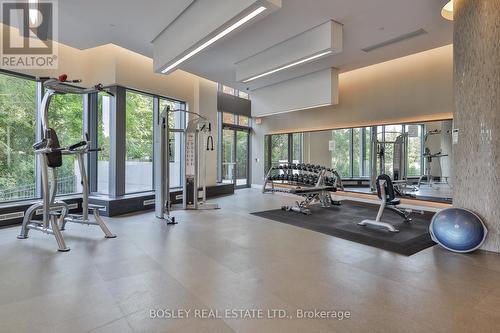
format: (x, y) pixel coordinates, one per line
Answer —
(477, 112)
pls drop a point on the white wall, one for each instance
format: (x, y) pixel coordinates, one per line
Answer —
(205, 94)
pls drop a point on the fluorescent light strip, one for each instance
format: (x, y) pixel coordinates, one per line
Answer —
(216, 38)
(447, 11)
(288, 66)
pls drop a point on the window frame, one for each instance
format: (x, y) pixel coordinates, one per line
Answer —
(89, 125)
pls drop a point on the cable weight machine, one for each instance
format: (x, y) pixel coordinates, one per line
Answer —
(198, 140)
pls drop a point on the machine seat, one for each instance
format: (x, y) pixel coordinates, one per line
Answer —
(393, 202)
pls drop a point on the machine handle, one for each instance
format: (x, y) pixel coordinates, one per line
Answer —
(94, 149)
(77, 145)
(210, 143)
(40, 145)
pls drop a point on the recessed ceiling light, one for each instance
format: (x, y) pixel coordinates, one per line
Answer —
(288, 66)
(215, 38)
(447, 11)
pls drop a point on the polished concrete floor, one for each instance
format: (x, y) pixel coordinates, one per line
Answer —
(228, 259)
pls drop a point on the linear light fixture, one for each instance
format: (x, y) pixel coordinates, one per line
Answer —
(447, 11)
(216, 38)
(288, 66)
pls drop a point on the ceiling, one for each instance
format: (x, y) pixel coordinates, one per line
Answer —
(134, 24)
(365, 23)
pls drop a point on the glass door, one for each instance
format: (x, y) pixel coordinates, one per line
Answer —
(235, 150)
(241, 158)
(228, 156)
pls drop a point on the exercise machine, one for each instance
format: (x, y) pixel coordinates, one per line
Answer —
(198, 140)
(385, 192)
(55, 213)
(399, 161)
(313, 183)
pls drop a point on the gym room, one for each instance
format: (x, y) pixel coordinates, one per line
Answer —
(249, 166)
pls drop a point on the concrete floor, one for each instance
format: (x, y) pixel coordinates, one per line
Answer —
(228, 259)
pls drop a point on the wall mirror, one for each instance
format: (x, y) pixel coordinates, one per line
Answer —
(417, 156)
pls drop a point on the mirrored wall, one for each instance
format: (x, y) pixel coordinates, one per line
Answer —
(417, 156)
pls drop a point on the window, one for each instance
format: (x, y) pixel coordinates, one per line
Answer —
(233, 159)
(176, 120)
(17, 135)
(66, 118)
(243, 121)
(231, 91)
(341, 152)
(228, 118)
(414, 159)
(279, 149)
(357, 150)
(139, 142)
(298, 144)
(103, 137)
(228, 90)
(391, 132)
(366, 138)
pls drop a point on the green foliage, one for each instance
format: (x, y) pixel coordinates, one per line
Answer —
(65, 117)
(139, 127)
(17, 132)
(228, 153)
(279, 148)
(340, 155)
(102, 128)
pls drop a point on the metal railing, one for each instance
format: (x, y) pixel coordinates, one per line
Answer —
(65, 185)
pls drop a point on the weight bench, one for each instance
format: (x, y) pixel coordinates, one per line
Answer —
(387, 193)
(311, 195)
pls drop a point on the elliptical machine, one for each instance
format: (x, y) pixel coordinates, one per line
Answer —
(55, 213)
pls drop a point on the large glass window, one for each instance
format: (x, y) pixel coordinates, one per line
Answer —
(17, 135)
(414, 161)
(228, 118)
(228, 90)
(103, 137)
(279, 149)
(243, 121)
(391, 132)
(297, 139)
(66, 118)
(139, 142)
(366, 138)
(341, 152)
(357, 151)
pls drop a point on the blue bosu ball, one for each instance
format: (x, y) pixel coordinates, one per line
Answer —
(458, 230)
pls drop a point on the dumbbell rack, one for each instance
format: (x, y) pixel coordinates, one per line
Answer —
(300, 175)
